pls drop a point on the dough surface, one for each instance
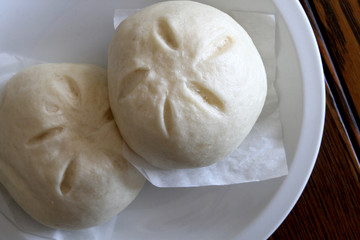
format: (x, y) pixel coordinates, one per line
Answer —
(186, 84)
(60, 149)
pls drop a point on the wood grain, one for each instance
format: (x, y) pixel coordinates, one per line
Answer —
(329, 207)
(337, 28)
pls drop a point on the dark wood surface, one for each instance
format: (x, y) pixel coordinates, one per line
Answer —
(329, 207)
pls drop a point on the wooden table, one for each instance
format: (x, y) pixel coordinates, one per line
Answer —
(329, 207)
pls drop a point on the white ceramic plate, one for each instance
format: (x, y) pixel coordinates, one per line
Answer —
(80, 31)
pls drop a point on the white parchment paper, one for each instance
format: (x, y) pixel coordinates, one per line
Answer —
(261, 155)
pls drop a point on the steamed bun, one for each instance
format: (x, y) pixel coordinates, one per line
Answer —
(186, 84)
(60, 149)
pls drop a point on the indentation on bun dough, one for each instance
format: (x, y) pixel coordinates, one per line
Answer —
(68, 176)
(166, 34)
(131, 81)
(167, 117)
(45, 135)
(218, 47)
(72, 87)
(207, 95)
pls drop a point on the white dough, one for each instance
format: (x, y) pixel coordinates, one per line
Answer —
(186, 84)
(60, 149)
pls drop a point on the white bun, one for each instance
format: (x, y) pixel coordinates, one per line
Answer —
(60, 149)
(186, 84)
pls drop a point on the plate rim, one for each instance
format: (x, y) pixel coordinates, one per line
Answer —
(312, 124)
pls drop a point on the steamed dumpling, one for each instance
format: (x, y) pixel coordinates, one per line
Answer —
(60, 149)
(186, 84)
